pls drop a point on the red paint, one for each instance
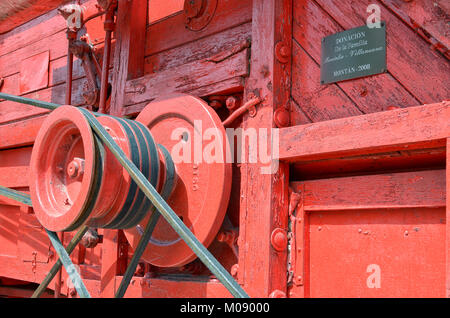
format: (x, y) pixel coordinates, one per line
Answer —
(363, 184)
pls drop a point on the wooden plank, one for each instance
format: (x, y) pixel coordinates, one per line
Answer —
(264, 197)
(14, 176)
(12, 111)
(197, 50)
(419, 189)
(297, 115)
(317, 101)
(409, 59)
(411, 128)
(172, 32)
(235, 84)
(186, 77)
(20, 133)
(371, 94)
(428, 17)
(129, 51)
(418, 159)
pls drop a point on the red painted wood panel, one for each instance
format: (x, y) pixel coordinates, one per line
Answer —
(159, 9)
(424, 15)
(407, 246)
(317, 101)
(394, 223)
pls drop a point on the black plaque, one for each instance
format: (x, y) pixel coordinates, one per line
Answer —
(353, 53)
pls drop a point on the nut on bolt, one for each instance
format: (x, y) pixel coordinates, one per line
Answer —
(279, 240)
(75, 168)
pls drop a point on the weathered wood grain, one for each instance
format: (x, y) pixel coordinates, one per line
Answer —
(197, 50)
(186, 78)
(422, 15)
(171, 32)
(319, 102)
(417, 189)
(425, 126)
(421, 71)
(370, 94)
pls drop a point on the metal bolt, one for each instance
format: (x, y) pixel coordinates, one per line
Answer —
(231, 102)
(75, 168)
(284, 51)
(281, 117)
(279, 239)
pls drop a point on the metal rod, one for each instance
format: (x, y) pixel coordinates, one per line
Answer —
(238, 112)
(166, 211)
(109, 27)
(69, 77)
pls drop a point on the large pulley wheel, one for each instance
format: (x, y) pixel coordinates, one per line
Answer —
(188, 129)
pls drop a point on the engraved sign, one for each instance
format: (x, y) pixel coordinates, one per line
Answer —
(353, 53)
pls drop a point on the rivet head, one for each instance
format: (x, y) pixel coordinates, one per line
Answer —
(281, 117)
(282, 52)
(279, 239)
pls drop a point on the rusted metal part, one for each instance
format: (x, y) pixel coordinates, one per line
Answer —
(90, 238)
(241, 110)
(82, 50)
(216, 101)
(109, 26)
(229, 237)
(233, 102)
(199, 13)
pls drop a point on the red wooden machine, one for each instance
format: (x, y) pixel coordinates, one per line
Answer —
(218, 148)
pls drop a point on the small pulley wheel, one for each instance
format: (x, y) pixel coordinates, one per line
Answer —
(181, 123)
(63, 162)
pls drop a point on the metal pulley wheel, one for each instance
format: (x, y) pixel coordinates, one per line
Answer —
(75, 180)
(202, 191)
